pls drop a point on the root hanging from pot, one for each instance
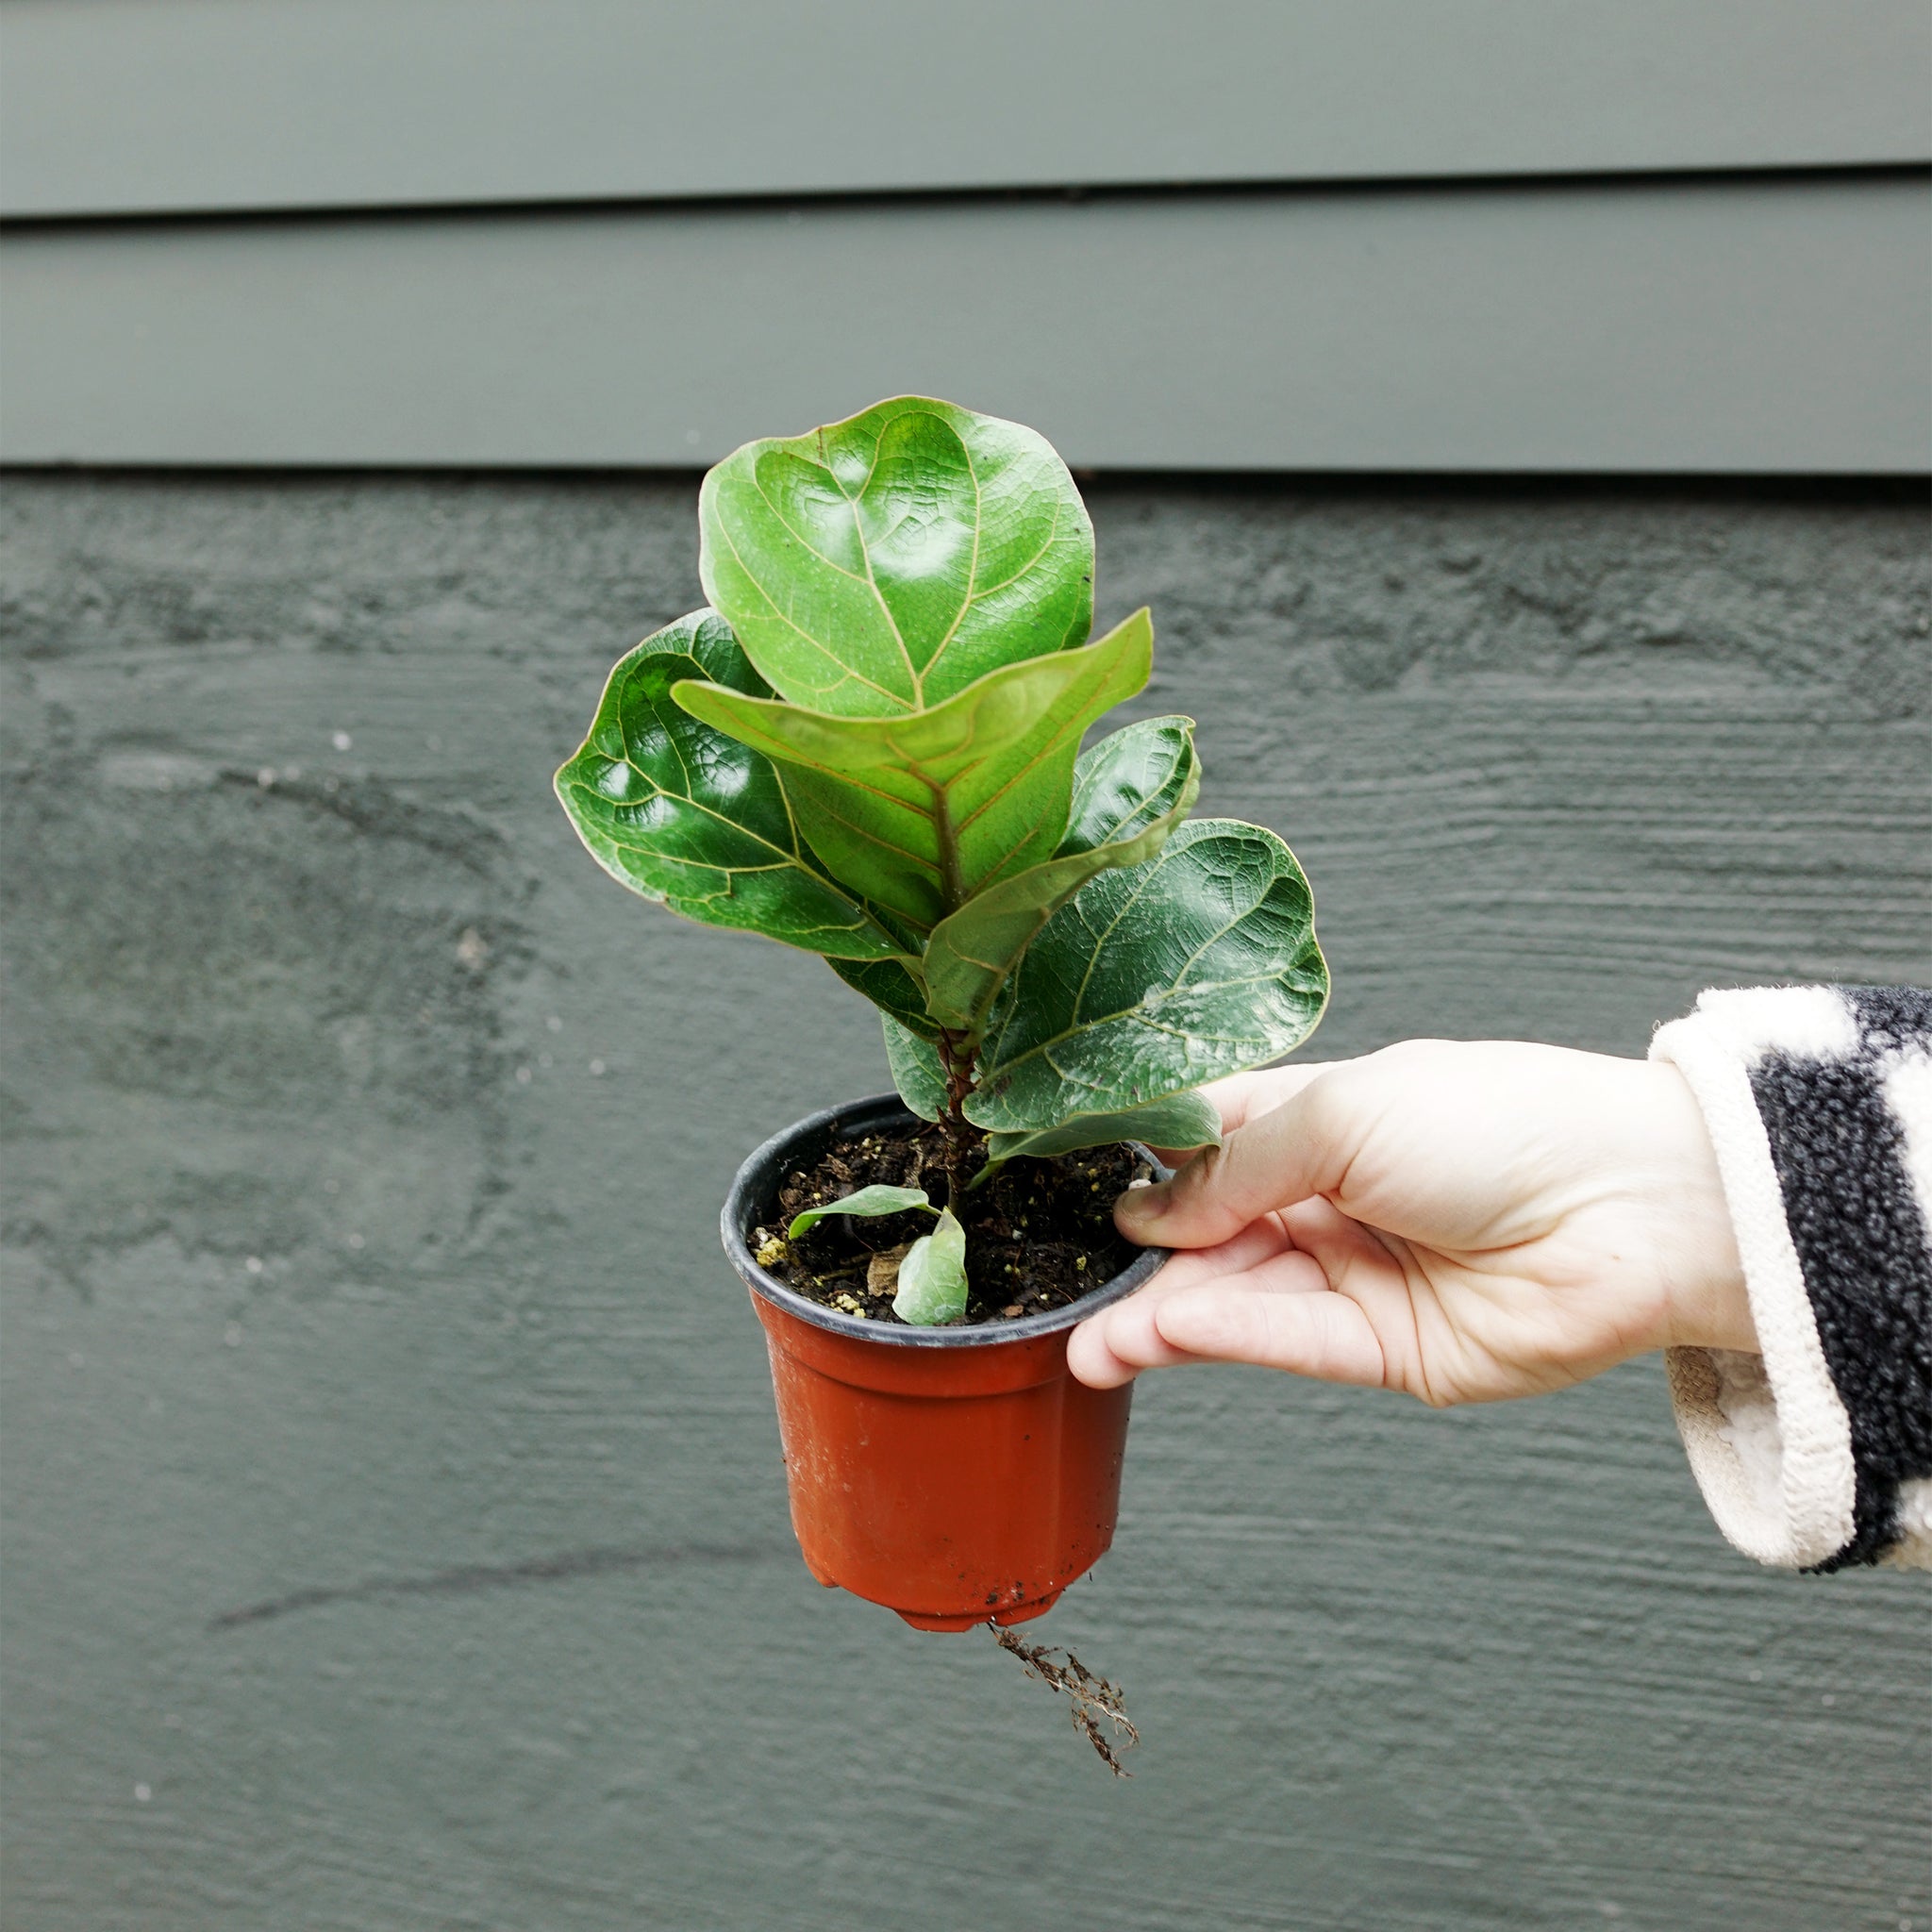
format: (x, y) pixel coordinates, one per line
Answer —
(1091, 1699)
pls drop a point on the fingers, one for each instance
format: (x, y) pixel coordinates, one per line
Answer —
(1239, 1319)
(1356, 1261)
(1113, 1347)
(1278, 1314)
(1091, 1351)
(1121, 1342)
(1279, 1154)
(1244, 1097)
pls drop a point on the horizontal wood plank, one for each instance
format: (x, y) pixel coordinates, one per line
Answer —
(1772, 324)
(172, 106)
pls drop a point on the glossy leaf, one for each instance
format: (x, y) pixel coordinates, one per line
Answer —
(1130, 779)
(878, 1199)
(970, 953)
(686, 815)
(1152, 980)
(882, 565)
(917, 1071)
(932, 1276)
(892, 987)
(1130, 792)
(1182, 1120)
(920, 812)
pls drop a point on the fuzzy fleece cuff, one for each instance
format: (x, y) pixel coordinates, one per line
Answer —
(1818, 1451)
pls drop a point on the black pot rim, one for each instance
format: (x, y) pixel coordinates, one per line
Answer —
(751, 1190)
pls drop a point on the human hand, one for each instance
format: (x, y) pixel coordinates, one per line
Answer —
(1465, 1221)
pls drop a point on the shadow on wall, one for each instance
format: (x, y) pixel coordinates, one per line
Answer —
(276, 1003)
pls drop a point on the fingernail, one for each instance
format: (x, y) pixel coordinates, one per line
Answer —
(1141, 1205)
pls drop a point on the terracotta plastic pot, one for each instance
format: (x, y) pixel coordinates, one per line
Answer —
(953, 1474)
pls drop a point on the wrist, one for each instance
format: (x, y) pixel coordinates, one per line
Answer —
(1708, 1302)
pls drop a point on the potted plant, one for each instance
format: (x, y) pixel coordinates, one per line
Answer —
(868, 746)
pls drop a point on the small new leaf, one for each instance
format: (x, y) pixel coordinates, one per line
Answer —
(882, 565)
(932, 1277)
(878, 1199)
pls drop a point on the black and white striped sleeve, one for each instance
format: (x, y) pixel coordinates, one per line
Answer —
(1818, 1451)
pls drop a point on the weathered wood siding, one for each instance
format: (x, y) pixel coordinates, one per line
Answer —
(395, 1530)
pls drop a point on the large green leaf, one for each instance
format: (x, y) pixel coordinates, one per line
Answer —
(919, 812)
(882, 565)
(1152, 980)
(1130, 790)
(1182, 1120)
(686, 815)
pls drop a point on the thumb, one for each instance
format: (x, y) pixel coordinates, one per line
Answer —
(1302, 1148)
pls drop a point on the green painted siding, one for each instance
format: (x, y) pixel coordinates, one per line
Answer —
(1476, 235)
(1743, 324)
(435, 1572)
(182, 106)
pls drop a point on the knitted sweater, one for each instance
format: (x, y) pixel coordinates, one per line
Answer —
(1818, 1452)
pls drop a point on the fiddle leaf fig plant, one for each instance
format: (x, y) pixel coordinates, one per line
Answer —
(868, 746)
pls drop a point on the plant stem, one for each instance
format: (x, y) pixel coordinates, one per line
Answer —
(956, 1058)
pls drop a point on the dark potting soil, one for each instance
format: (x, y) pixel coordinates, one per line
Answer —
(1040, 1234)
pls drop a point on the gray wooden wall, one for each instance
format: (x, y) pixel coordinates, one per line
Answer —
(394, 1521)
